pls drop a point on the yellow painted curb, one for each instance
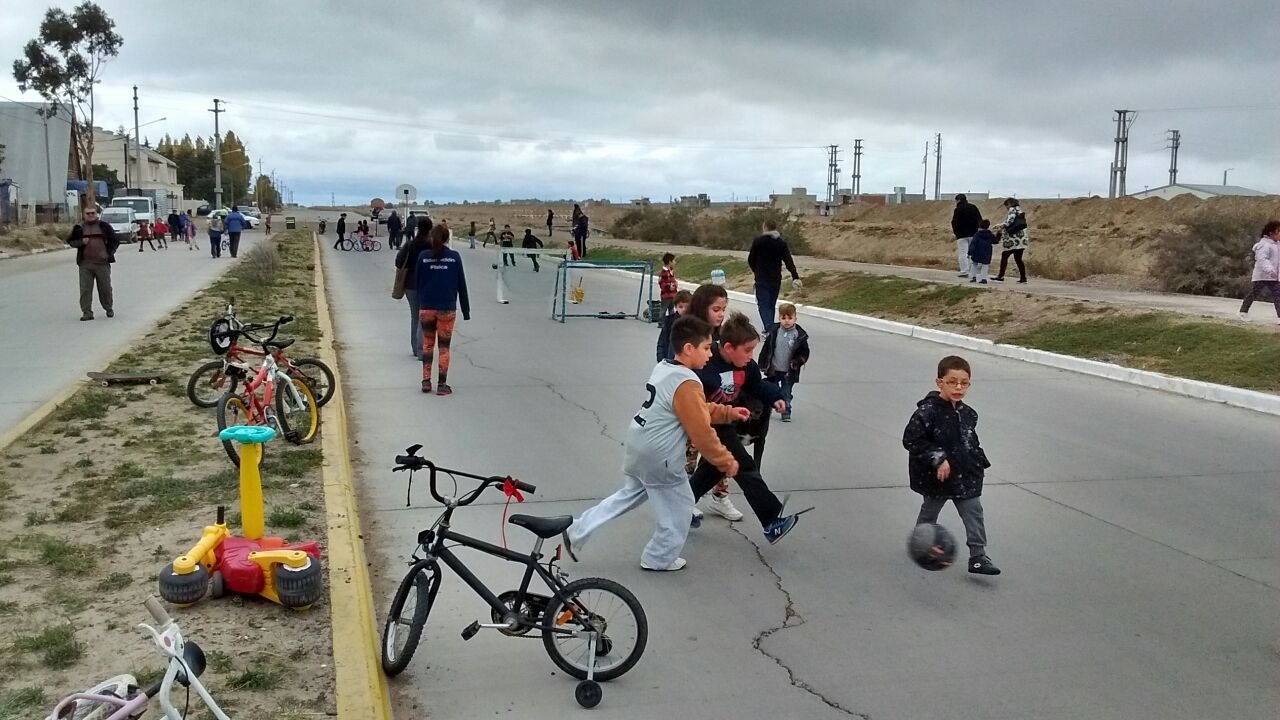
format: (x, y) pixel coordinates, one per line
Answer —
(42, 413)
(361, 687)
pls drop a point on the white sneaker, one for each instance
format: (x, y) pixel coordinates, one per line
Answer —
(1244, 317)
(723, 506)
(677, 565)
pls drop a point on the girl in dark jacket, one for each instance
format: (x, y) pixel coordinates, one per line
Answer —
(442, 287)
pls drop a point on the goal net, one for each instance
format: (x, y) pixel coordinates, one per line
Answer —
(578, 288)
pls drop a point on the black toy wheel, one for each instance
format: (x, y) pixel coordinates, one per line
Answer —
(185, 589)
(606, 608)
(297, 588)
(217, 587)
(588, 693)
(408, 616)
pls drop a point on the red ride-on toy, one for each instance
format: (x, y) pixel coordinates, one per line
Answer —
(222, 563)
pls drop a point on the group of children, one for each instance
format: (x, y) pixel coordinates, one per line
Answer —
(708, 395)
(179, 226)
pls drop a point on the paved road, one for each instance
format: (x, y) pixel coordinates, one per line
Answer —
(46, 345)
(1136, 530)
(1198, 305)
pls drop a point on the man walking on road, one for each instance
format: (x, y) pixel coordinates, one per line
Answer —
(768, 254)
(235, 224)
(393, 231)
(964, 223)
(95, 243)
(342, 231)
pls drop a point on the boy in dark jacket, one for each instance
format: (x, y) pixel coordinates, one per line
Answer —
(532, 242)
(665, 349)
(980, 252)
(946, 460)
(785, 351)
(732, 377)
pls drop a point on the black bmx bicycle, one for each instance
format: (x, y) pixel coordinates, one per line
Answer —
(592, 628)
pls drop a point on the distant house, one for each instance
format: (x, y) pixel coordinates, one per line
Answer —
(700, 200)
(798, 201)
(159, 173)
(1204, 192)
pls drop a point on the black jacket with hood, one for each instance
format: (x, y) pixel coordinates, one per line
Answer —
(965, 219)
(939, 431)
(799, 354)
(768, 254)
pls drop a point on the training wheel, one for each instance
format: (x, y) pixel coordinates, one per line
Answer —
(588, 693)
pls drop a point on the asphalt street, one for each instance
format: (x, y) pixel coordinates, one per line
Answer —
(1136, 529)
(47, 347)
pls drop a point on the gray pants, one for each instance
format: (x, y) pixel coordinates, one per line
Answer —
(671, 504)
(415, 323)
(970, 510)
(962, 253)
(89, 274)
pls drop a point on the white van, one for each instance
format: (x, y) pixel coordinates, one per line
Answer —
(121, 219)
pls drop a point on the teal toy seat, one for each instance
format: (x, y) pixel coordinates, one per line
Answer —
(248, 434)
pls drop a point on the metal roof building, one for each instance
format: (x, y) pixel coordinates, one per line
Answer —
(1204, 192)
(36, 153)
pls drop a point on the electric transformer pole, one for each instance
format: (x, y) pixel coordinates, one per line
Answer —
(1120, 165)
(937, 167)
(217, 156)
(857, 170)
(833, 173)
(1175, 141)
(924, 185)
(137, 141)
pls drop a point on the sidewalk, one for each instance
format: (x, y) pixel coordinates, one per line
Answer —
(48, 348)
(1196, 305)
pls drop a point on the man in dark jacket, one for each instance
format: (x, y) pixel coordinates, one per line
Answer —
(964, 223)
(768, 254)
(342, 231)
(393, 230)
(95, 243)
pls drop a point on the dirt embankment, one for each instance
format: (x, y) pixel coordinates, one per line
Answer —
(1070, 239)
(22, 240)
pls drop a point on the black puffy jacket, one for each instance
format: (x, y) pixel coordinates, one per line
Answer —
(941, 431)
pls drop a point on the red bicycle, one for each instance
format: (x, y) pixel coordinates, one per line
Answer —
(290, 408)
(212, 380)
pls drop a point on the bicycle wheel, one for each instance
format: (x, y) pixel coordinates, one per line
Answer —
(232, 411)
(408, 615)
(346, 245)
(612, 611)
(376, 245)
(318, 376)
(296, 413)
(209, 383)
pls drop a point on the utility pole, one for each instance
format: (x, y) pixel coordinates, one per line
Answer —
(937, 167)
(924, 186)
(334, 203)
(1224, 175)
(833, 173)
(857, 169)
(217, 156)
(1175, 140)
(137, 139)
(1120, 165)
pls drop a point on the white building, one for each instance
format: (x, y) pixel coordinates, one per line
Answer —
(1204, 192)
(798, 201)
(159, 173)
(38, 157)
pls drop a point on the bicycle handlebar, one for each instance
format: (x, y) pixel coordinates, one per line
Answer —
(157, 611)
(412, 462)
(245, 330)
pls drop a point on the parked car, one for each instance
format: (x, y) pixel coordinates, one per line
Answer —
(250, 222)
(122, 220)
(252, 212)
(203, 210)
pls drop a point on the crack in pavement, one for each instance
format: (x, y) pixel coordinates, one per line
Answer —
(604, 427)
(791, 619)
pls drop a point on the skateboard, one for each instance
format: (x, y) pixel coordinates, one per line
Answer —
(126, 378)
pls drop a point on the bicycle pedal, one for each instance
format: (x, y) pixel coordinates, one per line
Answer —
(470, 631)
(293, 436)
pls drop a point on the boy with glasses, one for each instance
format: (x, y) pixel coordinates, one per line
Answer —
(946, 459)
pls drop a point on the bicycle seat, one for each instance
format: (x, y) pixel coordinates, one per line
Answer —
(280, 344)
(543, 527)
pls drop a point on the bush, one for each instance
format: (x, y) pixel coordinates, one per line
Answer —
(688, 226)
(1211, 255)
(261, 264)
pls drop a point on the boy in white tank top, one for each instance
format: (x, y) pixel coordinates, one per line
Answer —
(675, 409)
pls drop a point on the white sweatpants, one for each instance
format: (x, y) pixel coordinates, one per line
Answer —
(962, 253)
(671, 509)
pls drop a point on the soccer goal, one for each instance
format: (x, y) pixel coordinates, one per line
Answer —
(605, 289)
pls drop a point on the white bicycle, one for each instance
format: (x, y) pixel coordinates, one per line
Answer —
(120, 698)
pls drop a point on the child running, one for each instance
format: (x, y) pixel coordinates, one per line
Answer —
(708, 304)
(681, 302)
(785, 351)
(946, 460)
(731, 376)
(674, 412)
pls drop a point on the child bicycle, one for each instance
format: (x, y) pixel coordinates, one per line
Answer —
(119, 698)
(592, 628)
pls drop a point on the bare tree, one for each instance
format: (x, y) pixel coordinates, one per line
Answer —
(64, 63)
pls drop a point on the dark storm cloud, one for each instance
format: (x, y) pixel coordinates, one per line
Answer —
(613, 98)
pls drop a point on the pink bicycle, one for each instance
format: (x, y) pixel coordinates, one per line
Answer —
(120, 698)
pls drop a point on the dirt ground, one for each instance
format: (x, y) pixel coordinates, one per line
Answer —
(120, 481)
(16, 240)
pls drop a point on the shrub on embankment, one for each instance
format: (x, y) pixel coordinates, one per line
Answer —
(1211, 254)
(690, 226)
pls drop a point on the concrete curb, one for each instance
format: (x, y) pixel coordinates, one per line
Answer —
(37, 251)
(45, 411)
(1236, 397)
(361, 687)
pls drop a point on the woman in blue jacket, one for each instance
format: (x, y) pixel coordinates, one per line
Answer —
(441, 286)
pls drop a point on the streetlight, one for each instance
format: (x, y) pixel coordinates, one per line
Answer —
(138, 156)
(1224, 175)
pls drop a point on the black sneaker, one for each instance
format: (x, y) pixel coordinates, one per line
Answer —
(779, 528)
(998, 279)
(443, 389)
(426, 387)
(982, 565)
(111, 313)
(86, 316)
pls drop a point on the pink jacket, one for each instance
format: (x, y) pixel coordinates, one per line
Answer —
(1266, 260)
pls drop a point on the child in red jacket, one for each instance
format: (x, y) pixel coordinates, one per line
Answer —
(667, 285)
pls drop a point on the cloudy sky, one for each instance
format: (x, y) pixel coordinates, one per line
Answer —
(484, 99)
